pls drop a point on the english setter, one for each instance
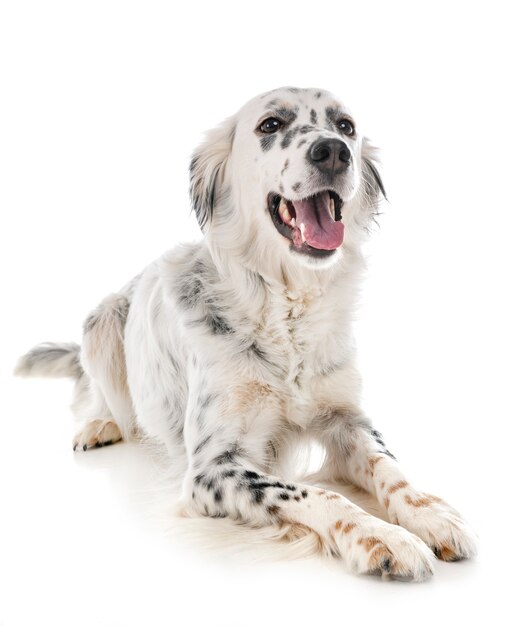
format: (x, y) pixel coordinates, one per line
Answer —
(233, 349)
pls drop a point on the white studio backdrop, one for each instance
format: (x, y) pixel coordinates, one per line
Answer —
(101, 104)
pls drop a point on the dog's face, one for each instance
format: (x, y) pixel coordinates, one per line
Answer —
(288, 174)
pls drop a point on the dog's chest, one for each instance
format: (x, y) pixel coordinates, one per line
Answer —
(291, 331)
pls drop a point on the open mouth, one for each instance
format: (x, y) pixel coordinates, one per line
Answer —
(312, 224)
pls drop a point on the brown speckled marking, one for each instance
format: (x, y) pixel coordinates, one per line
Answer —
(446, 553)
(247, 395)
(333, 496)
(273, 510)
(425, 500)
(373, 461)
(297, 498)
(295, 531)
(382, 484)
(338, 524)
(386, 502)
(348, 528)
(396, 486)
(379, 557)
(368, 542)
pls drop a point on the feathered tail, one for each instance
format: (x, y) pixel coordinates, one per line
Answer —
(55, 360)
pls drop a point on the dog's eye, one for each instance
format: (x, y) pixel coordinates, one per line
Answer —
(270, 125)
(346, 126)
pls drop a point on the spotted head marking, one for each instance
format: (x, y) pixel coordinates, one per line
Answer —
(292, 169)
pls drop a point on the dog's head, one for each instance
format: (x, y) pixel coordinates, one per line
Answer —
(289, 176)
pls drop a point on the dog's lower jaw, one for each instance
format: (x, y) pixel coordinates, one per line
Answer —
(316, 261)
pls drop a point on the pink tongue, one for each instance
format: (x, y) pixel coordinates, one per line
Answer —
(320, 230)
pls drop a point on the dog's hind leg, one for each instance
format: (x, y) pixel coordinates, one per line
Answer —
(104, 403)
(95, 392)
(98, 426)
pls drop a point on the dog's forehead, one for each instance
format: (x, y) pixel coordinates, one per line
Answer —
(287, 101)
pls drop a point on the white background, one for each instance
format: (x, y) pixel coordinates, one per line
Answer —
(101, 104)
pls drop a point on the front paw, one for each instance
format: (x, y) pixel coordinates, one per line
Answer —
(378, 547)
(439, 525)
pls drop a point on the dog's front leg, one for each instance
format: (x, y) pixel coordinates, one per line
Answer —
(356, 452)
(227, 438)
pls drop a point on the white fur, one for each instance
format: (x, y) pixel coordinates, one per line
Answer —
(232, 351)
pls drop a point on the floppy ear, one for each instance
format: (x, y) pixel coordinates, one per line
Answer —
(207, 170)
(373, 185)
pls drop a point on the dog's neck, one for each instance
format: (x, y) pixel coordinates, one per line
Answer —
(251, 286)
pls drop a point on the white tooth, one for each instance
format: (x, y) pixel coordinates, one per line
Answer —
(293, 222)
(283, 211)
(286, 215)
(302, 228)
(332, 208)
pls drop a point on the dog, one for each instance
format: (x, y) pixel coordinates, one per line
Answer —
(233, 350)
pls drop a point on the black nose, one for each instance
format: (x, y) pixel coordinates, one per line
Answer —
(331, 156)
